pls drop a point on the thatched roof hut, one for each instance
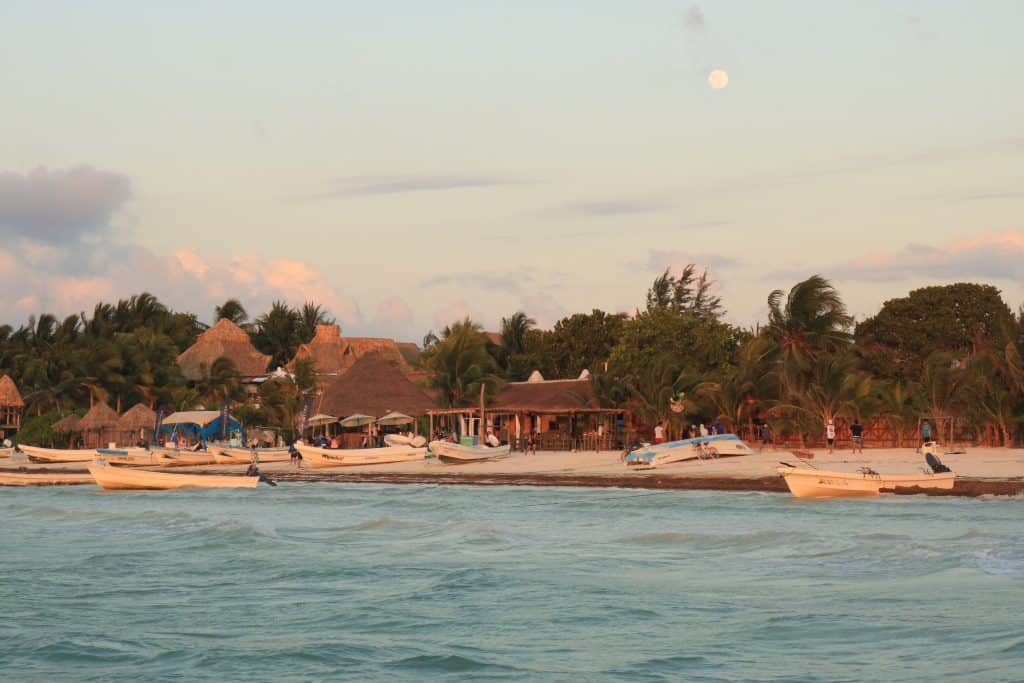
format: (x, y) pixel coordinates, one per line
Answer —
(100, 416)
(326, 350)
(561, 396)
(223, 339)
(68, 423)
(138, 417)
(11, 405)
(375, 386)
(10, 397)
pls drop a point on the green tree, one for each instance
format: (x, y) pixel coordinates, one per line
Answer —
(687, 293)
(232, 310)
(810, 319)
(459, 363)
(310, 315)
(220, 383)
(278, 333)
(583, 341)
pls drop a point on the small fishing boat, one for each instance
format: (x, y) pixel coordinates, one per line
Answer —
(6, 452)
(244, 455)
(41, 454)
(655, 455)
(43, 479)
(808, 482)
(313, 456)
(117, 478)
(458, 454)
(403, 440)
(130, 457)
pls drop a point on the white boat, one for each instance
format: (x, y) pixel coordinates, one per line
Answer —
(58, 454)
(655, 455)
(244, 455)
(805, 482)
(131, 457)
(403, 440)
(455, 454)
(118, 478)
(313, 456)
(6, 452)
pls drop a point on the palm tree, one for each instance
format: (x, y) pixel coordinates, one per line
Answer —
(311, 315)
(899, 407)
(277, 333)
(459, 363)
(812, 319)
(233, 310)
(835, 389)
(220, 383)
(745, 383)
(942, 389)
(513, 332)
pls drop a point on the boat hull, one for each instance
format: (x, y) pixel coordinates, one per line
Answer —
(119, 479)
(244, 455)
(456, 454)
(810, 483)
(41, 454)
(43, 479)
(6, 452)
(351, 457)
(688, 449)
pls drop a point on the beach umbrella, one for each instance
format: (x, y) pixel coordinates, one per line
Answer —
(357, 420)
(394, 418)
(320, 419)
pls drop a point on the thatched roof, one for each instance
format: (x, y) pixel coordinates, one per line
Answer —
(223, 339)
(100, 416)
(326, 350)
(139, 416)
(10, 397)
(547, 396)
(374, 386)
(68, 423)
(411, 352)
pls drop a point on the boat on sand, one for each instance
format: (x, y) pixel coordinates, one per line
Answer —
(118, 478)
(701, 447)
(312, 456)
(41, 454)
(6, 452)
(244, 455)
(458, 454)
(809, 482)
(43, 479)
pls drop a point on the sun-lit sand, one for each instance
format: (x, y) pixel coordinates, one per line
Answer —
(606, 468)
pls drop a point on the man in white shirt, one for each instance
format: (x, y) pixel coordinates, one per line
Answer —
(659, 433)
(830, 435)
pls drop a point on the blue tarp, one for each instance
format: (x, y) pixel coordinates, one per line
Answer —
(212, 431)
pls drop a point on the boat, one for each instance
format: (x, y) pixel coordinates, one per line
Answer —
(403, 440)
(716, 445)
(244, 455)
(43, 478)
(6, 452)
(807, 482)
(314, 456)
(117, 478)
(130, 457)
(458, 454)
(58, 454)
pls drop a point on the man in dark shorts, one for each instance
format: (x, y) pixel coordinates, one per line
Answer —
(766, 435)
(830, 435)
(857, 435)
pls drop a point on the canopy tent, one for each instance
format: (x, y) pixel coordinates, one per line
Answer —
(199, 423)
(394, 418)
(357, 420)
(321, 419)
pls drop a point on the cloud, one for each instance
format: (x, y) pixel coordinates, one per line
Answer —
(60, 205)
(997, 256)
(617, 207)
(511, 282)
(693, 19)
(658, 260)
(401, 184)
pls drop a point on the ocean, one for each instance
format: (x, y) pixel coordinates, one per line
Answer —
(309, 582)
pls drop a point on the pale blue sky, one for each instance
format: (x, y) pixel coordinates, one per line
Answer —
(429, 159)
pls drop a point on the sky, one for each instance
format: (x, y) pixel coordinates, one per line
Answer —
(409, 163)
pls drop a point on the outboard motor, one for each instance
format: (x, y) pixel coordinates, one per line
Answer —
(935, 464)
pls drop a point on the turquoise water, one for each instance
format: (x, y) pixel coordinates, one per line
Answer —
(366, 582)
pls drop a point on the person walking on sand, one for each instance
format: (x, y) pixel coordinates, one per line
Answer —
(926, 432)
(830, 435)
(857, 436)
(766, 435)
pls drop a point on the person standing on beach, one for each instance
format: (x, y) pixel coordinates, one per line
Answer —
(659, 433)
(857, 435)
(766, 435)
(830, 435)
(926, 432)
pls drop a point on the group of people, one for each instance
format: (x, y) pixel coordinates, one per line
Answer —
(691, 432)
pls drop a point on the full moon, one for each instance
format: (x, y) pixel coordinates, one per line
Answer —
(718, 79)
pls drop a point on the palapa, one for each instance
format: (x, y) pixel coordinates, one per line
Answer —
(334, 355)
(10, 397)
(68, 423)
(100, 417)
(223, 339)
(374, 386)
(139, 416)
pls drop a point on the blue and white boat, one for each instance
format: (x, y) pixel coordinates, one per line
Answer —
(655, 455)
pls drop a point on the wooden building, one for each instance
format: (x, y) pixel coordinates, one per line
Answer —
(11, 407)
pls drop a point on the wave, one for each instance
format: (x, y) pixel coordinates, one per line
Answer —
(740, 542)
(432, 664)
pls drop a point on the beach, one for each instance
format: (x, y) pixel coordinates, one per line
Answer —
(980, 471)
